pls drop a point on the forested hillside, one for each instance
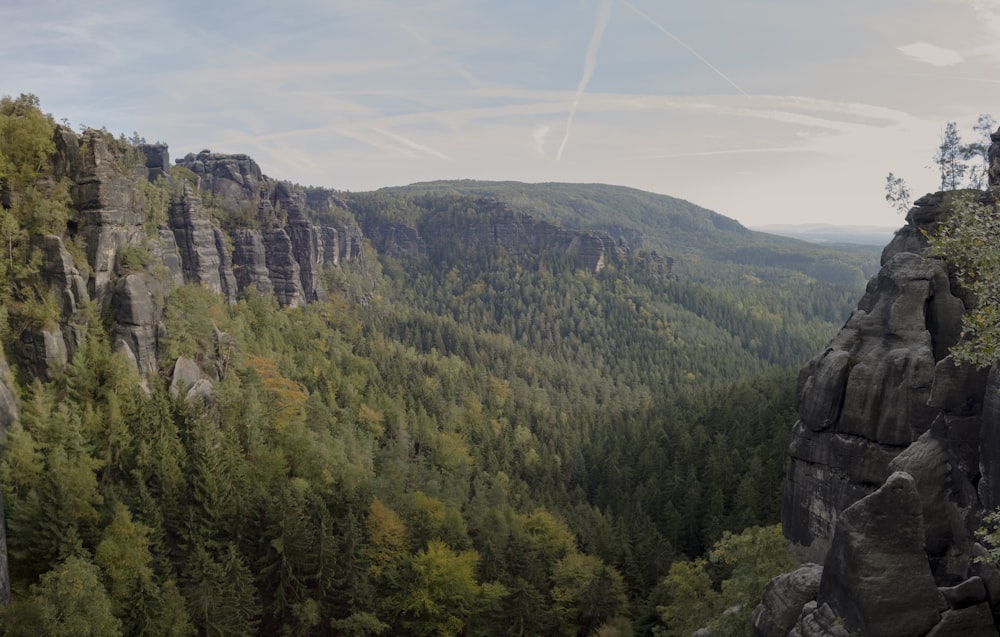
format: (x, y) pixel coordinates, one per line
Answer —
(237, 406)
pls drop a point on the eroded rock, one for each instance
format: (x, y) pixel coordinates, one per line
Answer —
(876, 576)
(137, 321)
(784, 598)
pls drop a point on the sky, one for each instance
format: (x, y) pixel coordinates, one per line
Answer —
(773, 111)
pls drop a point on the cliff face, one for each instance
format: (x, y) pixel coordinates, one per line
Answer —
(281, 252)
(894, 461)
(517, 234)
(228, 227)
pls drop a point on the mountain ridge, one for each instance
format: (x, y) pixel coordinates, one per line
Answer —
(314, 399)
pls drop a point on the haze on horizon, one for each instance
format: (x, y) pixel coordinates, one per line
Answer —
(767, 112)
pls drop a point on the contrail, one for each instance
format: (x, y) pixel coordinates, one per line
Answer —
(603, 15)
(676, 39)
(409, 143)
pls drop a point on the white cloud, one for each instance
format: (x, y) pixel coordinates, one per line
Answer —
(932, 54)
(538, 135)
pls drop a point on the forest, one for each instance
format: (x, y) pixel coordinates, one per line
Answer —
(467, 441)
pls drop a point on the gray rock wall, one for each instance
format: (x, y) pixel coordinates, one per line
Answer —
(894, 460)
(204, 258)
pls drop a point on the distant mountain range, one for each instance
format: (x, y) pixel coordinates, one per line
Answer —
(829, 233)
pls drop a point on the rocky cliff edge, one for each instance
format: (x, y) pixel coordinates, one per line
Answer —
(894, 461)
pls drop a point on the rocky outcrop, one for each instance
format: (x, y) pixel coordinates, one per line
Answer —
(138, 324)
(42, 352)
(784, 599)
(202, 246)
(104, 179)
(164, 249)
(250, 261)
(396, 240)
(875, 389)
(188, 380)
(283, 268)
(294, 248)
(157, 158)
(349, 242)
(518, 233)
(61, 275)
(894, 459)
(876, 576)
(234, 182)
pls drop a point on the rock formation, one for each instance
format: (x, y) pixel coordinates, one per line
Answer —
(519, 233)
(894, 460)
(104, 194)
(137, 321)
(201, 246)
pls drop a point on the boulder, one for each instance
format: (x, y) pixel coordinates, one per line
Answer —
(184, 375)
(188, 380)
(820, 621)
(876, 576)
(968, 593)
(973, 621)
(783, 600)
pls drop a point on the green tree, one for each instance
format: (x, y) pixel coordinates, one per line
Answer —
(977, 151)
(142, 606)
(442, 594)
(26, 141)
(586, 593)
(52, 496)
(220, 596)
(966, 240)
(723, 590)
(897, 193)
(949, 156)
(749, 560)
(690, 602)
(68, 601)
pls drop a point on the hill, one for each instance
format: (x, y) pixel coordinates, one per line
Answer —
(235, 405)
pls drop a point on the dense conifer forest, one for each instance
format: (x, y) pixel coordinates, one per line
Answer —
(463, 441)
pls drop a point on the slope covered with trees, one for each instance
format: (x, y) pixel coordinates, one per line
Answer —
(444, 441)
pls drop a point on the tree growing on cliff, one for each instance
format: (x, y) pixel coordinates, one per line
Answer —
(959, 164)
(966, 240)
(897, 193)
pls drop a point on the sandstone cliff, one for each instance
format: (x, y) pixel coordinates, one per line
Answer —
(220, 222)
(894, 460)
(126, 203)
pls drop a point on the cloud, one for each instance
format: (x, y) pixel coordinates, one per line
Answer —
(538, 135)
(932, 54)
(988, 18)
